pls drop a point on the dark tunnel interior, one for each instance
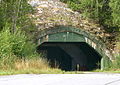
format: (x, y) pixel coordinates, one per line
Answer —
(70, 56)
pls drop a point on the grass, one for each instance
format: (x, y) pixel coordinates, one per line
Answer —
(40, 66)
(32, 66)
(31, 71)
(38, 71)
(48, 70)
(108, 70)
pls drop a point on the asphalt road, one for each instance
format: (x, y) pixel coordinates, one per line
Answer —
(61, 79)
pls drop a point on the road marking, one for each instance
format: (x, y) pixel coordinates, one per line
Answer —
(112, 82)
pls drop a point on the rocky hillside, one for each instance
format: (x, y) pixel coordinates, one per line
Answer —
(51, 13)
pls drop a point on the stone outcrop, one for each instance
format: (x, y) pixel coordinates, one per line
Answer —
(51, 13)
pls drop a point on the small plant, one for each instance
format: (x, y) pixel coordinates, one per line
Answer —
(116, 63)
(17, 52)
(36, 63)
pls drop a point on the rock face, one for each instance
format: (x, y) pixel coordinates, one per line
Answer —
(51, 13)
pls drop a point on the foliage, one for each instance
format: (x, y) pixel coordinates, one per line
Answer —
(115, 6)
(15, 44)
(89, 8)
(117, 49)
(15, 20)
(15, 12)
(116, 63)
(106, 12)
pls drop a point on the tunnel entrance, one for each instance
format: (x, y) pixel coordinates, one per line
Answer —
(71, 56)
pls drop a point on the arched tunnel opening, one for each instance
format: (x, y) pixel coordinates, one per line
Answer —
(71, 56)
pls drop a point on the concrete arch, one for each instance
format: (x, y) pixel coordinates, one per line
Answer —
(64, 35)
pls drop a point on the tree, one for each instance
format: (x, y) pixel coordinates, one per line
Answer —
(15, 13)
(115, 6)
(106, 12)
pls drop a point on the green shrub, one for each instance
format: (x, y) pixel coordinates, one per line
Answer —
(5, 43)
(15, 46)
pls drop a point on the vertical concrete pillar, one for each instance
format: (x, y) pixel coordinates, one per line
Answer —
(102, 63)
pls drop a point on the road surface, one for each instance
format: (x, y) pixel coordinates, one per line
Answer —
(61, 79)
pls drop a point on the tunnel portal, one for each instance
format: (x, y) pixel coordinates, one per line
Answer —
(71, 56)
